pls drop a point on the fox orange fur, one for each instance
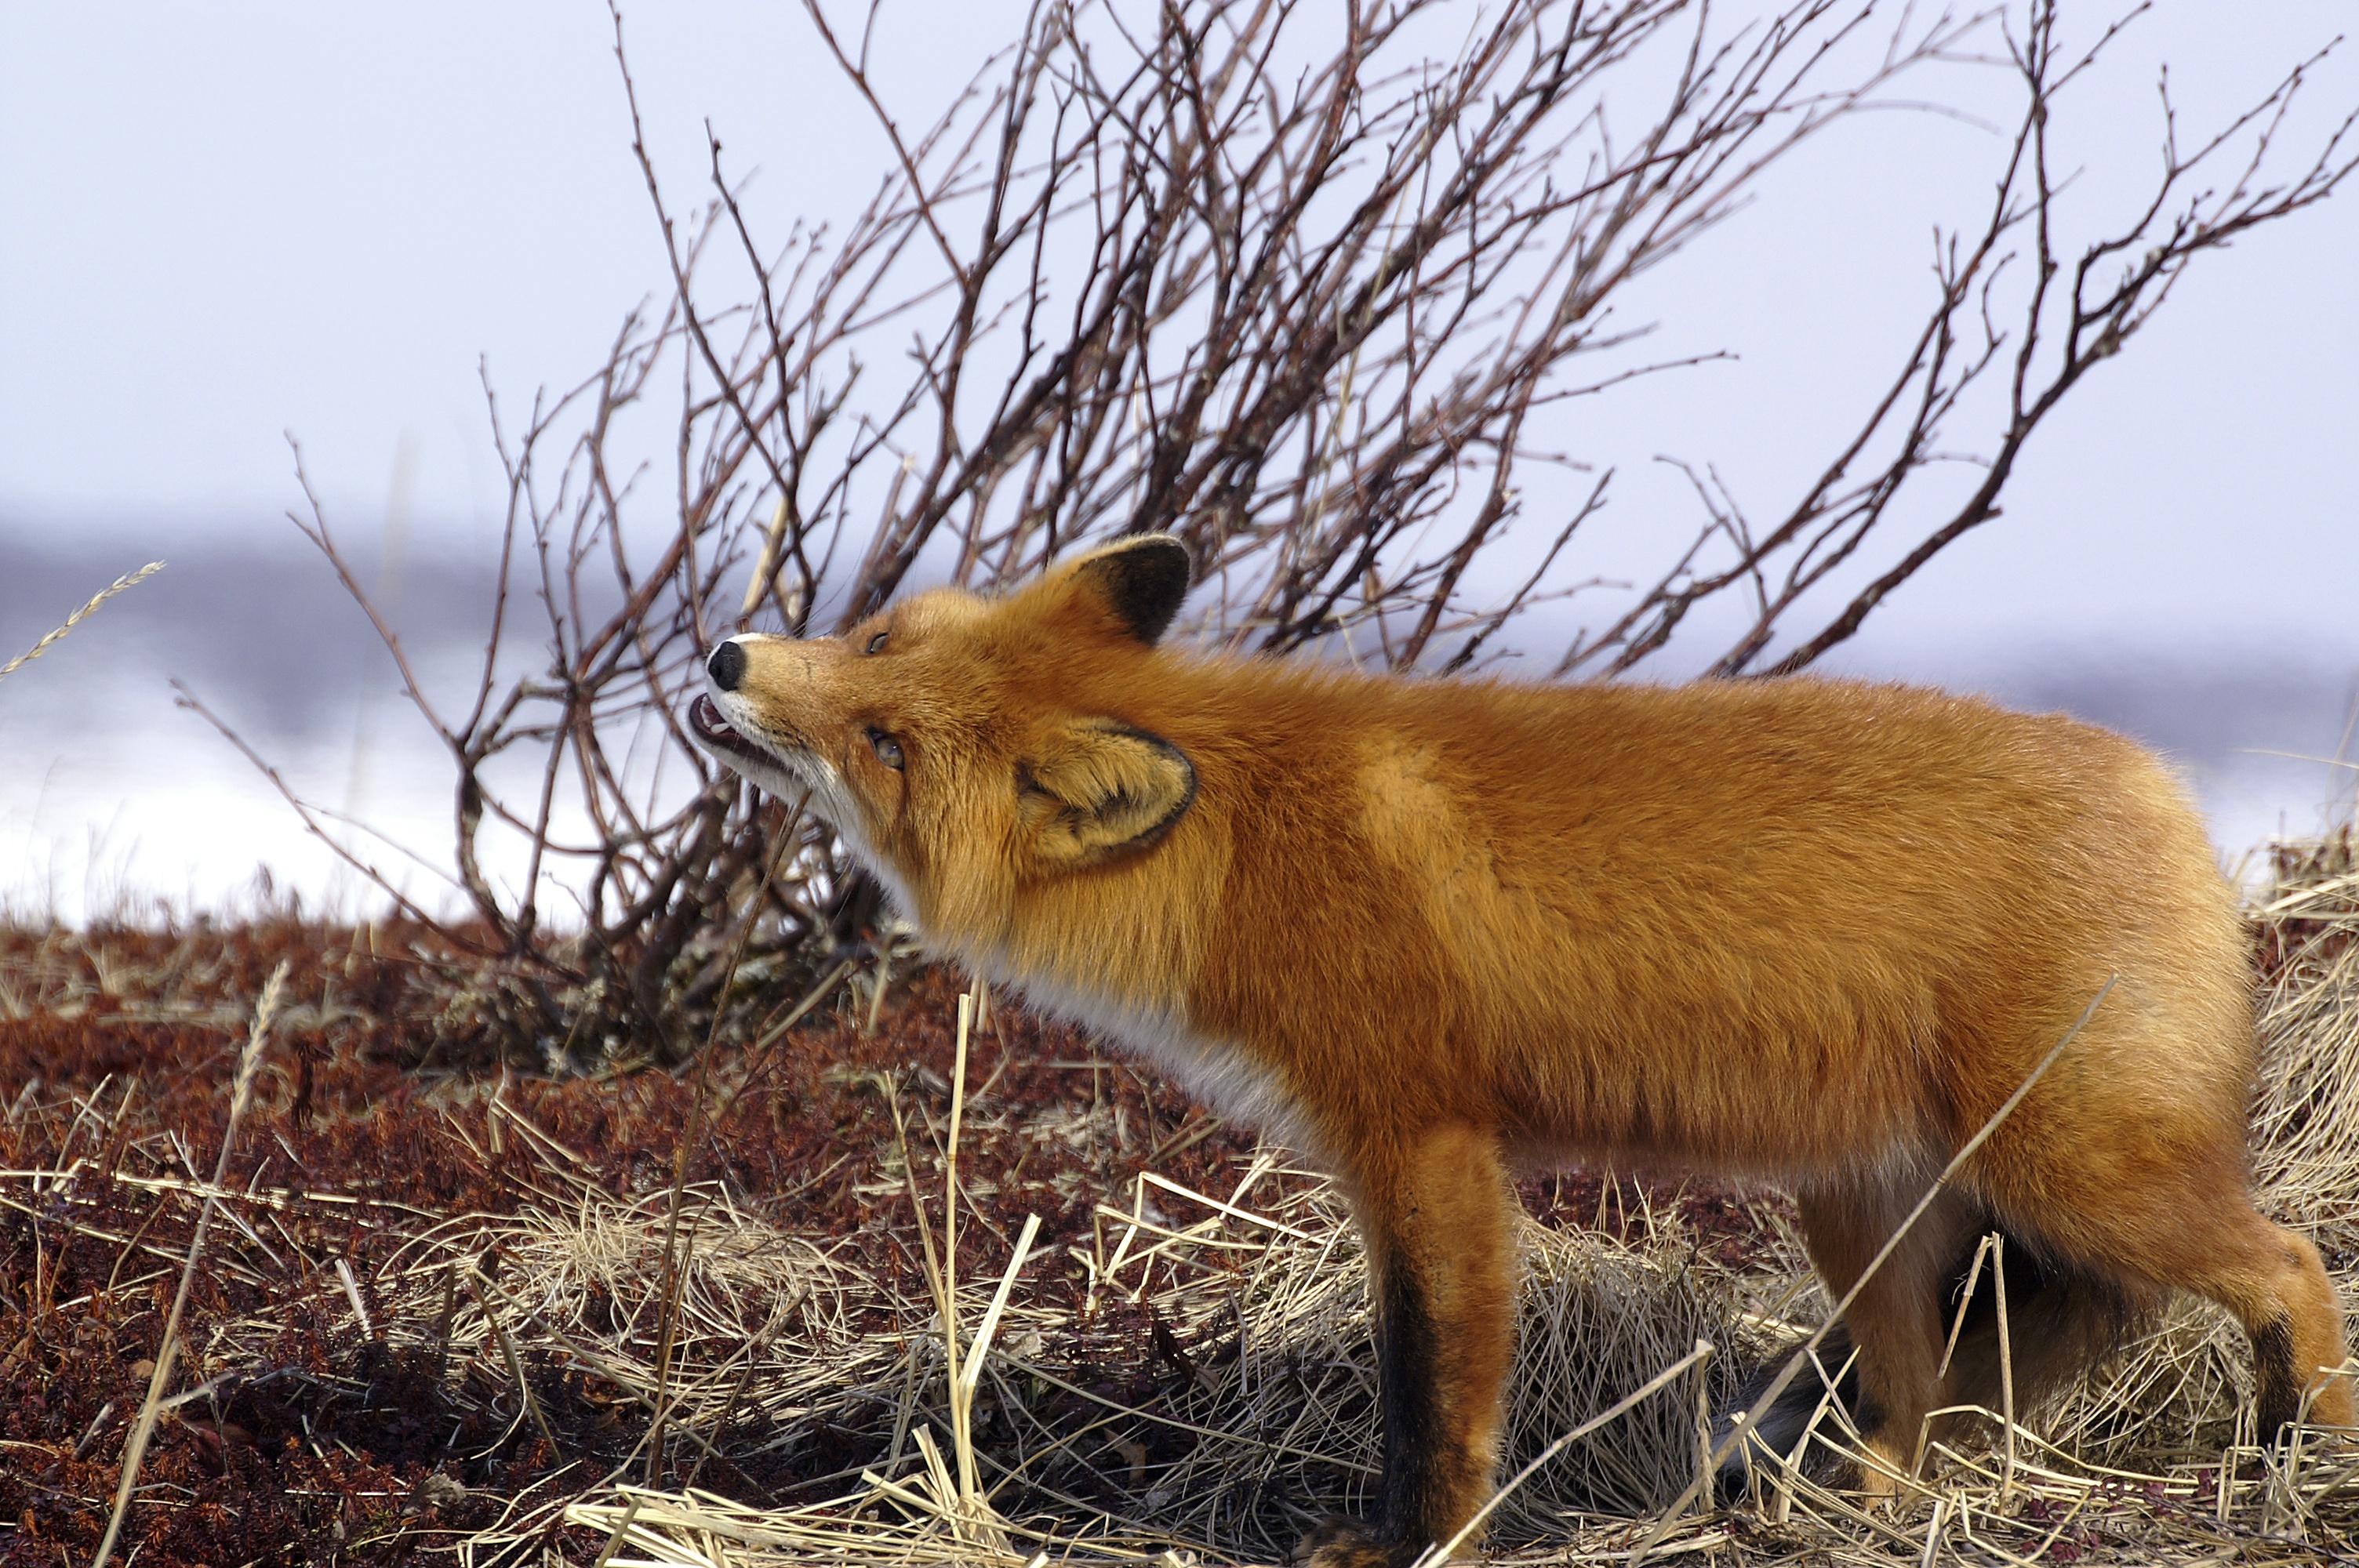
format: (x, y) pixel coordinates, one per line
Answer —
(1431, 931)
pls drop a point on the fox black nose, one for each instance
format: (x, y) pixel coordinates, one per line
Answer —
(727, 665)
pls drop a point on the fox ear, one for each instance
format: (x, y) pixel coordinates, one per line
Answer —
(1098, 788)
(1136, 584)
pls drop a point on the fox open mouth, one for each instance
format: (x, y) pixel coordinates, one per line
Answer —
(717, 735)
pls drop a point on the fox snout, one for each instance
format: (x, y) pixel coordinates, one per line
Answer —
(729, 721)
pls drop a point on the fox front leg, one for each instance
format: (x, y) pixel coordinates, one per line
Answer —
(1440, 1251)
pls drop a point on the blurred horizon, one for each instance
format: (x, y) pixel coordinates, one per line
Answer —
(137, 801)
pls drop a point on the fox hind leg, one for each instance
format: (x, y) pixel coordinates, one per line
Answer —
(1895, 1324)
(2183, 1218)
(2276, 1284)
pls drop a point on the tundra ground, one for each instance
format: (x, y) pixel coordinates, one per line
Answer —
(433, 1312)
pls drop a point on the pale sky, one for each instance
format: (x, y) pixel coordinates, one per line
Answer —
(221, 223)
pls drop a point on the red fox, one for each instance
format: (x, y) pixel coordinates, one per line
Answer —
(1431, 931)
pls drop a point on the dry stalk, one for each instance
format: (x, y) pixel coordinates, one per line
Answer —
(959, 1497)
(622, 1528)
(76, 619)
(135, 1448)
(2006, 1363)
(515, 1363)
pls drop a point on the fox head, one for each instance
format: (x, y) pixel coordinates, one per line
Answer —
(965, 747)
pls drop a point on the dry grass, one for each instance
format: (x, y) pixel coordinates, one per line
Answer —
(1178, 1360)
(1270, 1402)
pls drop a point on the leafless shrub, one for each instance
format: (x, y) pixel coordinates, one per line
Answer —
(1316, 291)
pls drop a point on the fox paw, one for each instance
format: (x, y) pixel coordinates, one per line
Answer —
(1341, 1542)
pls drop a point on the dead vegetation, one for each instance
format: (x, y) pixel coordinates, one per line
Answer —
(435, 1313)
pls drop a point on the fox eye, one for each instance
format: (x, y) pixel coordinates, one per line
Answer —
(875, 645)
(889, 750)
